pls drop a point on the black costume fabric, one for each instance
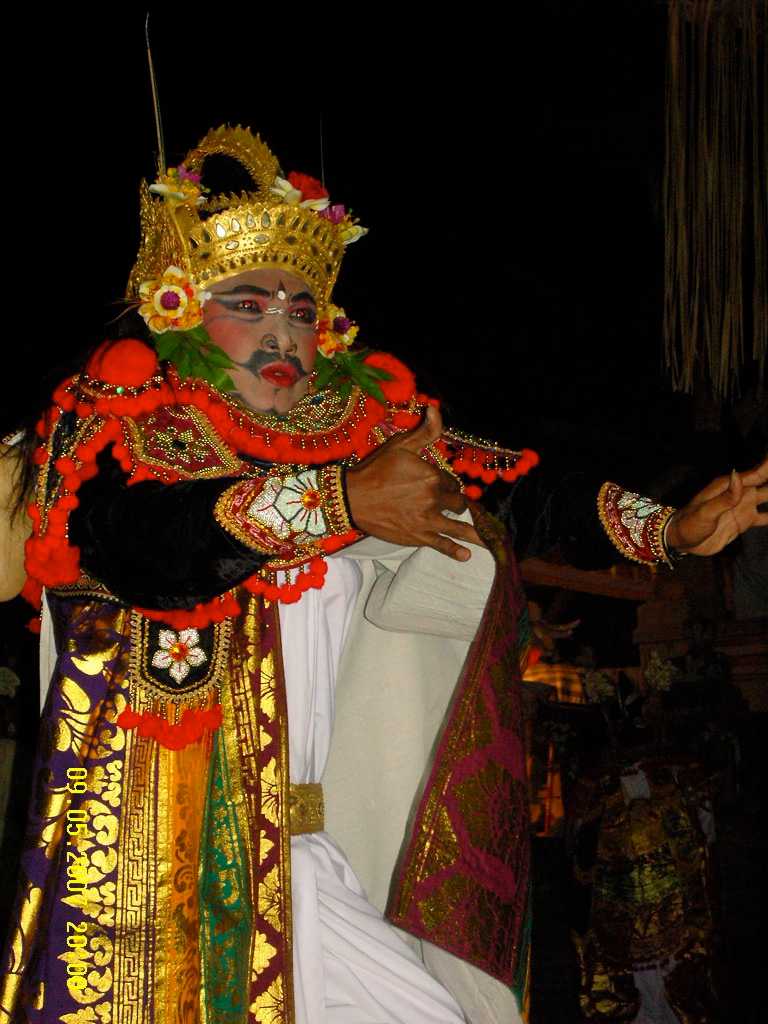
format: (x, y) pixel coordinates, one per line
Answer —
(157, 545)
(543, 512)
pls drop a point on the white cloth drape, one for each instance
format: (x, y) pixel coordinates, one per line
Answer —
(350, 965)
(408, 639)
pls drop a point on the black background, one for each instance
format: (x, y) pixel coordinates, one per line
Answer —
(508, 167)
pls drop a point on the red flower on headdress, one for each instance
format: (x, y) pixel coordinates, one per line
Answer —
(309, 187)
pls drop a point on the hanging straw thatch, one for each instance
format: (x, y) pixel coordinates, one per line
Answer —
(716, 274)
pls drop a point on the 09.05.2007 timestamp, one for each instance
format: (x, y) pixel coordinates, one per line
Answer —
(77, 879)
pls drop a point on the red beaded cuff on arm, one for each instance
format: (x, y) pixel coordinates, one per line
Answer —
(634, 524)
(281, 517)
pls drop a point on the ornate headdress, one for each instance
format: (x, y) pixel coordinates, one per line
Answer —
(285, 223)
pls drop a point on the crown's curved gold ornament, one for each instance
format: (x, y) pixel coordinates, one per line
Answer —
(279, 224)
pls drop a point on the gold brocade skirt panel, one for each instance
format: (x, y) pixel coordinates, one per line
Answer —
(155, 882)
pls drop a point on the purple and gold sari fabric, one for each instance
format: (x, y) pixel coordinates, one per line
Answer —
(155, 882)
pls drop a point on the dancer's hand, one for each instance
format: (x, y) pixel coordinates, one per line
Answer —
(718, 514)
(395, 495)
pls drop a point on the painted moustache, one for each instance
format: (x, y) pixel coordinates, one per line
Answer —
(280, 373)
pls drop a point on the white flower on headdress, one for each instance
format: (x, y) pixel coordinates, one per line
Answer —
(315, 204)
(179, 184)
(351, 233)
(167, 191)
(293, 196)
(286, 191)
(178, 651)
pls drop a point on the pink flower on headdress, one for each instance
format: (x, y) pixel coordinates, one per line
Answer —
(186, 175)
(335, 214)
(178, 185)
(335, 331)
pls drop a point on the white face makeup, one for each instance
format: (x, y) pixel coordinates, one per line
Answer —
(265, 321)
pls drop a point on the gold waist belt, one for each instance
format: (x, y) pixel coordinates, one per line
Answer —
(306, 811)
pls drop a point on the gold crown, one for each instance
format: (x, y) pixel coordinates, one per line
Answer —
(214, 238)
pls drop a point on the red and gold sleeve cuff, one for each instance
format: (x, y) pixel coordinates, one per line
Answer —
(331, 480)
(634, 524)
(283, 517)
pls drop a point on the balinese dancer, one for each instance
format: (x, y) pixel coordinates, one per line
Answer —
(272, 618)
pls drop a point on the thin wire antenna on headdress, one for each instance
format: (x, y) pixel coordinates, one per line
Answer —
(322, 153)
(161, 168)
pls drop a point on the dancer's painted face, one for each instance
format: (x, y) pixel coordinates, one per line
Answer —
(265, 322)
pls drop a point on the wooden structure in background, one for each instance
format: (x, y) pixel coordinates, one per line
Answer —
(669, 602)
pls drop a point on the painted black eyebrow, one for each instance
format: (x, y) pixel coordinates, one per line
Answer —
(251, 289)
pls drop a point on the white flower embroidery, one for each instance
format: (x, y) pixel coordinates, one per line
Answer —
(299, 502)
(291, 507)
(178, 651)
(262, 509)
(634, 510)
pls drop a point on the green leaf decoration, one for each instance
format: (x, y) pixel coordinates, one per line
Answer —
(184, 361)
(216, 357)
(166, 345)
(344, 370)
(195, 356)
(324, 370)
(197, 334)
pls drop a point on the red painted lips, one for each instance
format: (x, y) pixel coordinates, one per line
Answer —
(280, 375)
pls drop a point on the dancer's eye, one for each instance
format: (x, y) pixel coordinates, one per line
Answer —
(304, 315)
